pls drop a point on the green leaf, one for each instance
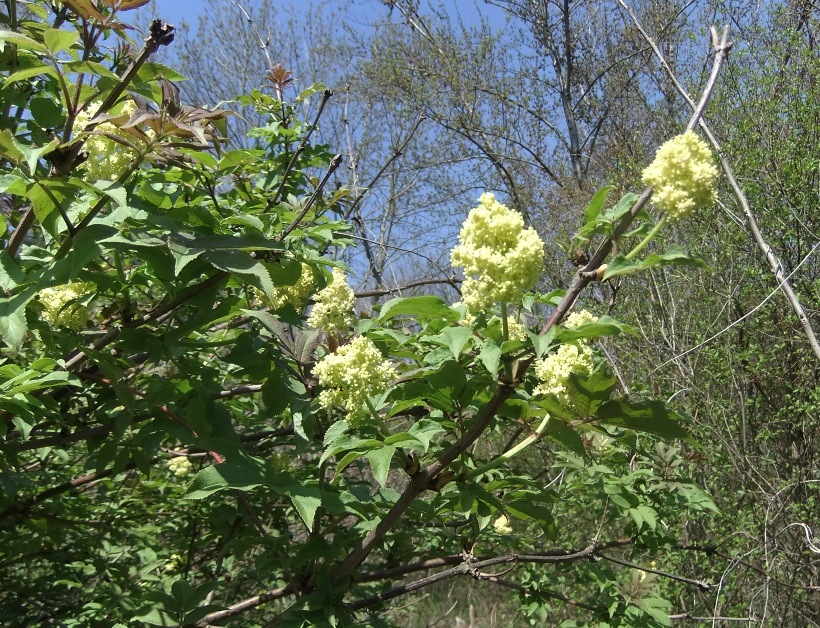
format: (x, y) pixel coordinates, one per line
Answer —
(242, 265)
(490, 356)
(306, 500)
(542, 342)
(11, 275)
(221, 241)
(604, 326)
(643, 415)
(189, 598)
(622, 207)
(17, 152)
(335, 432)
(22, 75)
(13, 324)
(621, 266)
(380, 462)
(46, 112)
(21, 41)
(570, 439)
(674, 255)
(644, 514)
(455, 338)
(424, 430)
(156, 617)
(422, 308)
(58, 40)
(312, 89)
(224, 476)
(596, 204)
(113, 190)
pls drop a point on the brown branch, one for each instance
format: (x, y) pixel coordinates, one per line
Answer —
(76, 483)
(334, 164)
(187, 294)
(474, 568)
(413, 284)
(393, 572)
(700, 584)
(302, 143)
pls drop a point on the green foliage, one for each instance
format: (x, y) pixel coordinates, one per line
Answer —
(139, 329)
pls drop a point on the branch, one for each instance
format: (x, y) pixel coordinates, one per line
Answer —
(413, 284)
(334, 164)
(302, 143)
(585, 275)
(24, 506)
(774, 263)
(471, 567)
(700, 584)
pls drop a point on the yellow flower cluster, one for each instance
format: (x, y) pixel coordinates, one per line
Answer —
(107, 158)
(180, 466)
(174, 563)
(682, 176)
(61, 307)
(576, 319)
(351, 375)
(501, 258)
(502, 525)
(553, 371)
(295, 295)
(333, 310)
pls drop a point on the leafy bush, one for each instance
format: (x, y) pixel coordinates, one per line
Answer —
(180, 448)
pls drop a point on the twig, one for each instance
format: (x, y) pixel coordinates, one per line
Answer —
(413, 284)
(700, 584)
(774, 263)
(334, 164)
(301, 146)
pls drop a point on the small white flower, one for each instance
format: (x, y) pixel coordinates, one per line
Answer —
(554, 370)
(502, 525)
(333, 309)
(576, 319)
(682, 176)
(355, 372)
(180, 466)
(61, 307)
(295, 295)
(107, 158)
(501, 257)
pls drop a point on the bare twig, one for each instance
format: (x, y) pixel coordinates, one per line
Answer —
(700, 584)
(450, 281)
(301, 146)
(585, 275)
(775, 264)
(334, 164)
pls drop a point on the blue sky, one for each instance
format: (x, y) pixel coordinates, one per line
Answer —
(362, 11)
